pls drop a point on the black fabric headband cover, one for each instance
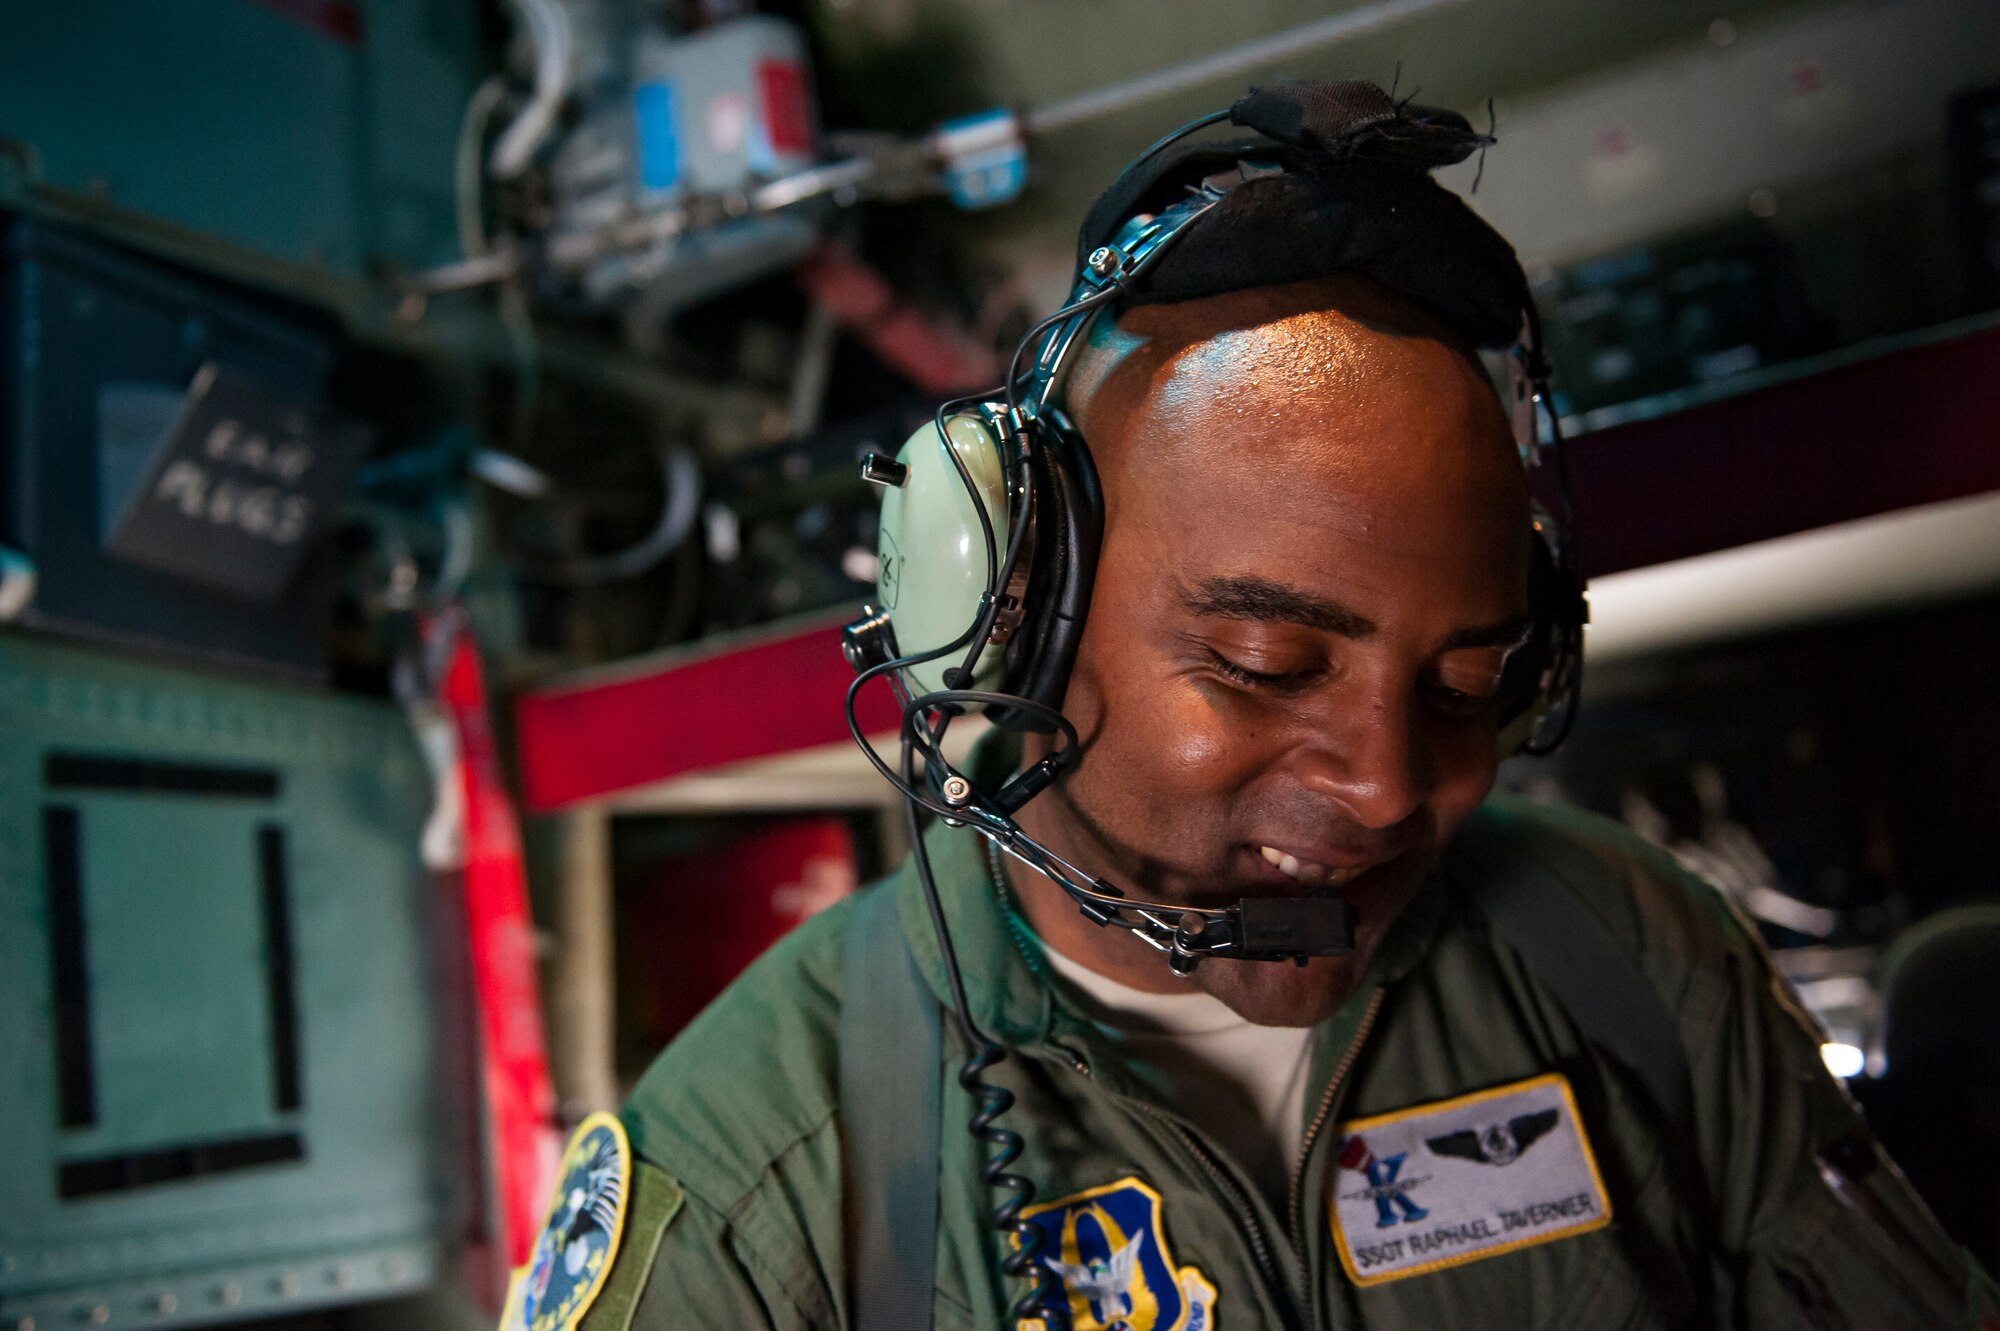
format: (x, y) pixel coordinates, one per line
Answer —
(1355, 196)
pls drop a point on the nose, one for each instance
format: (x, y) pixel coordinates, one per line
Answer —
(1361, 752)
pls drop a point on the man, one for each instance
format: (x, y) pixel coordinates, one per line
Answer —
(1312, 575)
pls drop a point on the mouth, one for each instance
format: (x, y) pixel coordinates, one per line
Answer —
(1257, 869)
(1360, 874)
(1310, 873)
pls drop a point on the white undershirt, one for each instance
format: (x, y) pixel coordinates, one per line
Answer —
(1243, 1085)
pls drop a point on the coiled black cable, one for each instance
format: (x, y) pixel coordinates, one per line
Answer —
(1047, 1300)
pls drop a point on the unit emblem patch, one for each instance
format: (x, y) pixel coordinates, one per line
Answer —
(1462, 1179)
(1108, 1248)
(572, 1255)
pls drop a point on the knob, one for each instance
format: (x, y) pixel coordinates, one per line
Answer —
(879, 470)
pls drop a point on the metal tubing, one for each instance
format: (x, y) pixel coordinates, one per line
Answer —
(1222, 64)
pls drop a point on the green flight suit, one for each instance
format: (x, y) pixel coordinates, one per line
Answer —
(741, 1114)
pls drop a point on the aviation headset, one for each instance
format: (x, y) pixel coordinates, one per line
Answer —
(992, 513)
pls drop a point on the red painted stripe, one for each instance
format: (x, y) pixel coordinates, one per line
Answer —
(694, 710)
(500, 935)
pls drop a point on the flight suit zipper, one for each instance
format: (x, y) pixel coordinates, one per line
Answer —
(1295, 1213)
(1253, 1228)
(1246, 1214)
(1218, 1173)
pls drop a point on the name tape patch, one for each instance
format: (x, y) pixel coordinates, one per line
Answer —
(1463, 1179)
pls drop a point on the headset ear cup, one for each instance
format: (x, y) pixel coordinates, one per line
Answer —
(1556, 605)
(1049, 557)
(1521, 682)
(1077, 528)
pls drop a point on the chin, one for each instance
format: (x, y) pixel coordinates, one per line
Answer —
(1279, 993)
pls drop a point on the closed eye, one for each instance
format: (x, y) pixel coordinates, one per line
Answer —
(1290, 681)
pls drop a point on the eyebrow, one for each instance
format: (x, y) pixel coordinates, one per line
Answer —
(1248, 597)
(1509, 633)
(1254, 598)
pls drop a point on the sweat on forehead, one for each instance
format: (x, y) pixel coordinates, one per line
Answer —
(1284, 353)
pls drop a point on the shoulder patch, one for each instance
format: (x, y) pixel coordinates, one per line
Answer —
(1462, 1179)
(573, 1255)
(1107, 1247)
(656, 1200)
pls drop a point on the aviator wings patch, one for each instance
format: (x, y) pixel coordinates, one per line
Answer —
(1500, 1143)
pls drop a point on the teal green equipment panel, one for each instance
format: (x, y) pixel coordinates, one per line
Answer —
(319, 133)
(221, 1085)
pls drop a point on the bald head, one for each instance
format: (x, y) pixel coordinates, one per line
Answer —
(1193, 381)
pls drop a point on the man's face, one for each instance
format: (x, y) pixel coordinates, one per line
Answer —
(1313, 570)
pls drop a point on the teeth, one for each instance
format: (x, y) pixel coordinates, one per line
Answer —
(1305, 871)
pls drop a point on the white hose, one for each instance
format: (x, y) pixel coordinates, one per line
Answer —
(680, 474)
(466, 193)
(547, 28)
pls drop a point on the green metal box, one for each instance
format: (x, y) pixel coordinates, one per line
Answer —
(221, 1061)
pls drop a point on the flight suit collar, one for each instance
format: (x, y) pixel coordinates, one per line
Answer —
(1006, 985)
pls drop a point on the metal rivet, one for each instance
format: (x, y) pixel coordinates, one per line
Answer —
(99, 1315)
(343, 1276)
(288, 1284)
(229, 1294)
(166, 1303)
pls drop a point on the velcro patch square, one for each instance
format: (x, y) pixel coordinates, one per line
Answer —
(1462, 1179)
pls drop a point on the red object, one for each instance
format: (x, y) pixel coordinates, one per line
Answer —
(687, 711)
(520, 1097)
(937, 357)
(738, 898)
(1913, 427)
(787, 112)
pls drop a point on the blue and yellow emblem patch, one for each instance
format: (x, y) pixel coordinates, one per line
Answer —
(1108, 1247)
(572, 1255)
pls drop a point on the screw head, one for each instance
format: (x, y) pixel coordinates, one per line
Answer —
(1103, 260)
(957, 790)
